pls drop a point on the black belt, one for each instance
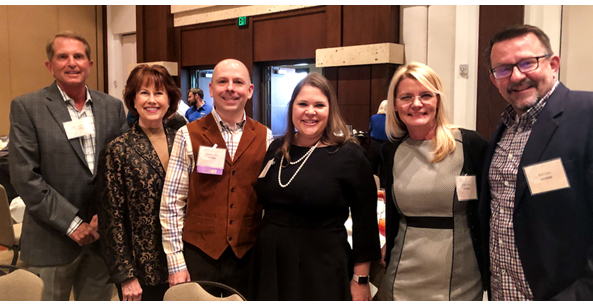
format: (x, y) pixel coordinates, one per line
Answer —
(430, 222)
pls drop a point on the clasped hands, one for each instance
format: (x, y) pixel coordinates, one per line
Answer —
(86, 233)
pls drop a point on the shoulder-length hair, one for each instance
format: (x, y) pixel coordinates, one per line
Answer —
(335, 133)
(443, 141)
(382, 107)
(156, 75)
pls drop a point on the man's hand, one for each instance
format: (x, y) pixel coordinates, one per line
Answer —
(178, 278)
(85, 234)
(382, 260)
(95, 223)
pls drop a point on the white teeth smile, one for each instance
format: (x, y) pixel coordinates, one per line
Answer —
(152, 109)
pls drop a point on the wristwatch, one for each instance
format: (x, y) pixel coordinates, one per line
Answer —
(361, 279)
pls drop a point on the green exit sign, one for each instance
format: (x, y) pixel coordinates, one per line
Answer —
(242, 22)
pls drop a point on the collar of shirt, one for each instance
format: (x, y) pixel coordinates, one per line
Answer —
(510, 118)
(71, 101)
(225, 126)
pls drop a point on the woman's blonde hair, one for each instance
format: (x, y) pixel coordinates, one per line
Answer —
(382, 107)
(443, 141)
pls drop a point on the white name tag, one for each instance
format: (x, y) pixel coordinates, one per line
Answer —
(211, 160)
(546, 176)
(78, 128)
(266, 168)
(466, 187)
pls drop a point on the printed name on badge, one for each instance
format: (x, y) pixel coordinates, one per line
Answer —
(78, 128)
(211, 160)
(546, 176)
(466, 187)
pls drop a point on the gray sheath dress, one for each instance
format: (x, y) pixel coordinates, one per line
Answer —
(432, 258)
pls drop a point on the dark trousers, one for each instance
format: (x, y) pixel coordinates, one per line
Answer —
(228, 269)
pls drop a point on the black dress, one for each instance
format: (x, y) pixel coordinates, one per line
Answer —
(302, 252)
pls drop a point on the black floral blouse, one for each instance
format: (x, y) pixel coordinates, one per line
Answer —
(130, 181)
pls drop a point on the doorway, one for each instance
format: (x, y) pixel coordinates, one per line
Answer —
(200, 78)
(278, 85)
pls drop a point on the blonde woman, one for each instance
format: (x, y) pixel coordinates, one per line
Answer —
(432, 251)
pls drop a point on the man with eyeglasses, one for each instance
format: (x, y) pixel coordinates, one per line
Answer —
(536, 209)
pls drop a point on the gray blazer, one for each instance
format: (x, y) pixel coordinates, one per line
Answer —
(50, 172)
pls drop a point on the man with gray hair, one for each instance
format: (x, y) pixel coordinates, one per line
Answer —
(56, 135)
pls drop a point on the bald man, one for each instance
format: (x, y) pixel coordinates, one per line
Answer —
(209, 211)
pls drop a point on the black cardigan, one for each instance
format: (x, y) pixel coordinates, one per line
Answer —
(474, 152)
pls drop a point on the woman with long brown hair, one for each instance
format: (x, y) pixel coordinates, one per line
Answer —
(312, 177)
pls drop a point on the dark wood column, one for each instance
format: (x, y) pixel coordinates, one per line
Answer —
(493, 18)
(155, 34)
(361, 89)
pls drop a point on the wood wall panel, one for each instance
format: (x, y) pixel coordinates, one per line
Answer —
(4, 72)
(380, 78)
(288, 38)
(24, 32)
(155, 33)
(334, 26)
(354, 92)
(208, 46)
(490, 103)
(369, 24)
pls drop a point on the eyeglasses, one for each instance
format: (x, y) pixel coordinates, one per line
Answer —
(424, 98)
(524, 65)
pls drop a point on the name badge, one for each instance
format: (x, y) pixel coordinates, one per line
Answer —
(266, 168)
(546, 176)
(466, 187)
(78, 128)
(211, 160)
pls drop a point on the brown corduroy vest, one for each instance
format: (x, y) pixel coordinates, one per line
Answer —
(222, 210)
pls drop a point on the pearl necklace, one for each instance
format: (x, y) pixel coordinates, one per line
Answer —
(305, 157)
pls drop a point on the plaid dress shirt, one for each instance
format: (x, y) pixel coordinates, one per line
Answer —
(176, 189)
(87, 142)
(508, 281)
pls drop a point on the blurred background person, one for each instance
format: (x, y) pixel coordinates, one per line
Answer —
(378, 137)
(198, 108)
(130, 181)
(310, 180)
(432, 247)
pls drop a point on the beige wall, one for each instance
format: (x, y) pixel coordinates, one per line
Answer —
(24, 32)
(576, 62)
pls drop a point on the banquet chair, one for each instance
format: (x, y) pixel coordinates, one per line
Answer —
(193, 291)
(10, 233)
(18, 284)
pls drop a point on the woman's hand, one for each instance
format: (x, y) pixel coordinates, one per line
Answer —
(131, 290)
(360, 292)
(382, 260)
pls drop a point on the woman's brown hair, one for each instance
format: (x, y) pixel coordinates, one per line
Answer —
(335, 132)
(156, 75)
